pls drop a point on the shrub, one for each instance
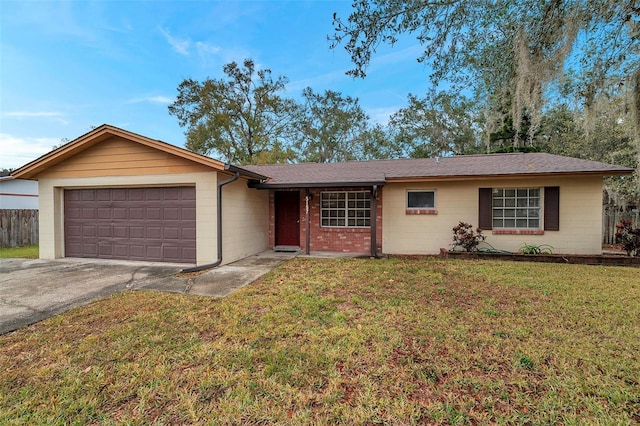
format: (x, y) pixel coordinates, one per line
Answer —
(628, 237)
(536, 249)
(464, 236)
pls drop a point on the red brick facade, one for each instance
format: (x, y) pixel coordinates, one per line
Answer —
(330, 239)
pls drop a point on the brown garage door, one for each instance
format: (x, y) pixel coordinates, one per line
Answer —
(151, 224)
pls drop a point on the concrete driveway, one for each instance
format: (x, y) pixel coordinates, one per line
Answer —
(32, 289)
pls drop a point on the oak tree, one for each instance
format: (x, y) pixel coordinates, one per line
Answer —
(331, 127)
(241, 119)
(440, 124)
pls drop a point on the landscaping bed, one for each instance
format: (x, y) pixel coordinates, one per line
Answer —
(580, 259)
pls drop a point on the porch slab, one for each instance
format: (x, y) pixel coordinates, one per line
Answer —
(334, 255)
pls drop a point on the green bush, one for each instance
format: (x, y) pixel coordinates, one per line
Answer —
(535, 249)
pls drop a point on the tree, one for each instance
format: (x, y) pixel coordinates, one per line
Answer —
(561, 132)
(607, 136)
(241, 119)
(507, 49)
(331, 127)
(380, 143)
(439, 124)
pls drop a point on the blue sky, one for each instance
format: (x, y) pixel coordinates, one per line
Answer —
(68, 65)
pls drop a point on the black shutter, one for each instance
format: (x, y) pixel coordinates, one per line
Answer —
(485, 209)
(552, 208)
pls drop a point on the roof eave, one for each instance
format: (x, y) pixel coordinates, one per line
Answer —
(508, 175)
(244, 172)
(302, 185)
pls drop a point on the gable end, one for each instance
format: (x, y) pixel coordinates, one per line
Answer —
(117, 156)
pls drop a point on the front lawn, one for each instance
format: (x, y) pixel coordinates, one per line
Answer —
(354, 341)
(25, 252)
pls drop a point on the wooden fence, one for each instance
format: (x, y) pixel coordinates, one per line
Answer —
(18, 228)
(611, 216)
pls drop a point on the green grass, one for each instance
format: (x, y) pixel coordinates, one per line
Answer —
(358, 341)
(26, 252)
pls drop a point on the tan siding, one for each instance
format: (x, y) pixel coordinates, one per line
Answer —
(245, 220)
(49, 198)
(580, 216)
(117, 156)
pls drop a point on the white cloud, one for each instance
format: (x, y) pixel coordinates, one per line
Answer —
(381, 115)
(17, 151)
(123, 27)
(206, 48)
(397, 56)
(208, 53)
(204, 51)
(180, 46)
(25, 114)
(317, 82)
(56, 116)
(162, 100)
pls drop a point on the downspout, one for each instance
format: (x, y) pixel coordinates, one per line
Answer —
(373, 222)
(219, 223)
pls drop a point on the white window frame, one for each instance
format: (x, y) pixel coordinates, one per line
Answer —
(345, 209)
(421, 208)
(520, 209)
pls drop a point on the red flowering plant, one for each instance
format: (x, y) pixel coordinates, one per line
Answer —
(464, 236)
(628, 237)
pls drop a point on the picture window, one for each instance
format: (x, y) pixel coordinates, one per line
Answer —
(516, 208)
(345, 209)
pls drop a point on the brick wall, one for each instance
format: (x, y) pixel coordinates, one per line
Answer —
(344, 240)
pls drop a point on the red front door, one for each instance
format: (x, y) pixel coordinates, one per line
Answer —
(287, 212)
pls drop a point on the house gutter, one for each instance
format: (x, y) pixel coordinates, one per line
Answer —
(469, 177)
(218, 261)
(302, 185)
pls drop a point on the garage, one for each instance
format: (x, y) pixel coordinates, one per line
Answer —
(151, 224)
(115, 194)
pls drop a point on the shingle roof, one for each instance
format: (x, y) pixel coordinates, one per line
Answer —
(462, 166)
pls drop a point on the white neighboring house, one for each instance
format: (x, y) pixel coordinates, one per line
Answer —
(18, 194)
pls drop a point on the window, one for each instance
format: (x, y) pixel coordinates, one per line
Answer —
(345, 209)
(516, 208)
(421, 199)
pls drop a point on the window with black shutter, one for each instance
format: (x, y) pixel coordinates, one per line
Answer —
(519, 208)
